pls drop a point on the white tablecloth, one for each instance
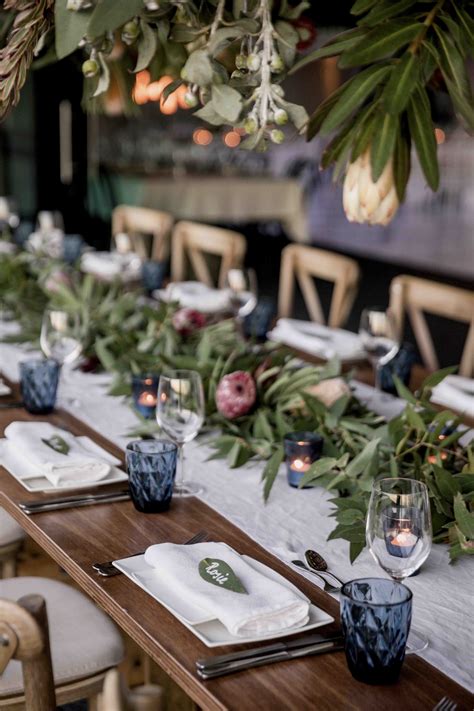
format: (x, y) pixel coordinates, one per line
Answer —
(294, 520)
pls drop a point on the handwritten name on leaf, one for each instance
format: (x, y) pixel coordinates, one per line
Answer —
(57, 443)
(218, 572)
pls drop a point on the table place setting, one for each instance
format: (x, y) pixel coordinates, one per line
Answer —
(44, 458)
(195, 295)
(456, 392)
(318, 340)
(223, 597)
(112, 265)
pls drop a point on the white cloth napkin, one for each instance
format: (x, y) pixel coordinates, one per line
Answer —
(457, 393)
(111, 264)
(76, 467)
(4, 389)
(195, 295)
(7, 247)
(48, 242)
(317, 340)
(268, 607)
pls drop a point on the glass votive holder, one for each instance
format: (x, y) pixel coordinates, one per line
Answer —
(151, 466)
(301, 450)
(145, 394)
(39, 384)
(375, 619)
(153, 274)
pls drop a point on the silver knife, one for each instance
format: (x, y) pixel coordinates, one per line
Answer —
(334, 645)
(211, 662)
(41, 505)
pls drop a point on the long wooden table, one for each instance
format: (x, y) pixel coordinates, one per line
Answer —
(76, 538)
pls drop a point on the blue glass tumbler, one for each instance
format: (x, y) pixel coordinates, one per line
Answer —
(151, 466)
(39, 384)
(375, 619)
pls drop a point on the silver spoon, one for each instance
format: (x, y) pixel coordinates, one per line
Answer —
(327, 585)
(317, 562)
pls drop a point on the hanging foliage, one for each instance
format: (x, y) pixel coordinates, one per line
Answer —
(232, 56)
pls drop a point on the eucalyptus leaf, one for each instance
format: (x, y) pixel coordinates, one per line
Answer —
(70, 28)
(380, 43)
(110, 14)
(422, 131)
(227, 102)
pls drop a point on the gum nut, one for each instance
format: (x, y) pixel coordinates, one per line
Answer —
(278, 90)
(90, 68)
(277, 136)
(250, 126)
(253, 62)
(281, 117)
(241, 61)
(190, 99)
(276, 65)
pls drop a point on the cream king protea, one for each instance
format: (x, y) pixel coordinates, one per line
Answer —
(365, 200)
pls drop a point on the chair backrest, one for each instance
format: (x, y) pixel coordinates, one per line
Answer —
(194, 240)
(24, 636)
(138, 223)
(302, 263)
(415, 296)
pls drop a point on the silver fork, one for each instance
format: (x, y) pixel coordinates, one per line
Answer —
(445, 704)
(108, 569)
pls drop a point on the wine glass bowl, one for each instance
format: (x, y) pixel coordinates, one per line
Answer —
(180, 413)
(60, 337)
(241, 285)
(379, 337)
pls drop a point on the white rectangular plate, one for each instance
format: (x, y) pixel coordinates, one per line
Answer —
(210, 631)
(32, 480)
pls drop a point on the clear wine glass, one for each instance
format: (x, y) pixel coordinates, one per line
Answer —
(242, 287)
(378, 333)
(399, 532)
(180, 413)
(61, 338)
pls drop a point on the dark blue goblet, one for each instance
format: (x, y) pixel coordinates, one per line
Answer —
(153, 274)
(151, 466)
(375, 619)
(39, 385)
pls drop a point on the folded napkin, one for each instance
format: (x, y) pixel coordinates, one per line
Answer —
(456, 393)
(59, 456)
(7, 247)
(195, 295)
(48, 242)
(111, 264)
(267, 607)
(4, 389)
(318, 340)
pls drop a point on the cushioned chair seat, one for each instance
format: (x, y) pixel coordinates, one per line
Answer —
(10, 531)
(84, 641)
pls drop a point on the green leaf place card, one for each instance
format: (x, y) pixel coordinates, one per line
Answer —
(57, 443)
(219, 573)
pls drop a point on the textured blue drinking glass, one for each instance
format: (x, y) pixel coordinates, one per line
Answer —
(302, 449)
(375, 619)
(39, 384)
(151, 466)
(153, 274)
(145, 394)
(72, 248)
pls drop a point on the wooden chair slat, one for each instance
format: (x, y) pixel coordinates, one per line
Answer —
(138, 223)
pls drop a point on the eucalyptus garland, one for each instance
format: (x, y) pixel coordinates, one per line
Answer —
(233, 55)
(124, 333)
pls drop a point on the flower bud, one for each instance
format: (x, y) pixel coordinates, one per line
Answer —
(366, 201)
(277, 136)
(278, 90)
(190, 99)
(241, 61)
(281, 117)
(90, 68)
(130, 32)
(276, 65)
(250, 126)
(253, 62)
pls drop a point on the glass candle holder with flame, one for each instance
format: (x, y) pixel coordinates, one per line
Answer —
(145, 394)
(301, 450)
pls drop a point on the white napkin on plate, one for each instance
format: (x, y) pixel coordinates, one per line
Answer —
(268, 607)
(76, 467)
(457, 393)
(4, 389)
(318, 340)
(111, 264)
(195, 295)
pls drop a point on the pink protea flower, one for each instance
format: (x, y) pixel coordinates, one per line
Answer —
(236, 394)
(187, 321)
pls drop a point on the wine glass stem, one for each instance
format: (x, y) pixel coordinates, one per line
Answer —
(181, 466)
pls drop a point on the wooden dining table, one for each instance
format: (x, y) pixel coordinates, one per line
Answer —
(77, 537)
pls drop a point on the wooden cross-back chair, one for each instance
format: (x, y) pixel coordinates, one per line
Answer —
(193, 240)
(137, 223)
(303, 264)
(11, 541)
(85, 647)
(415, 296)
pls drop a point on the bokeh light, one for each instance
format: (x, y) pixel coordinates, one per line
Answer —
(202, 137)
(440, 136)
(232, 139)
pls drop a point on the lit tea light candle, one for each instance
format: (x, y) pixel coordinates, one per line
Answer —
(145, 394)
(400, 531)
(302, 449)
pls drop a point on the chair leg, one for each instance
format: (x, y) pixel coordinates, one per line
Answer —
(9, 567)
(93, 703)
